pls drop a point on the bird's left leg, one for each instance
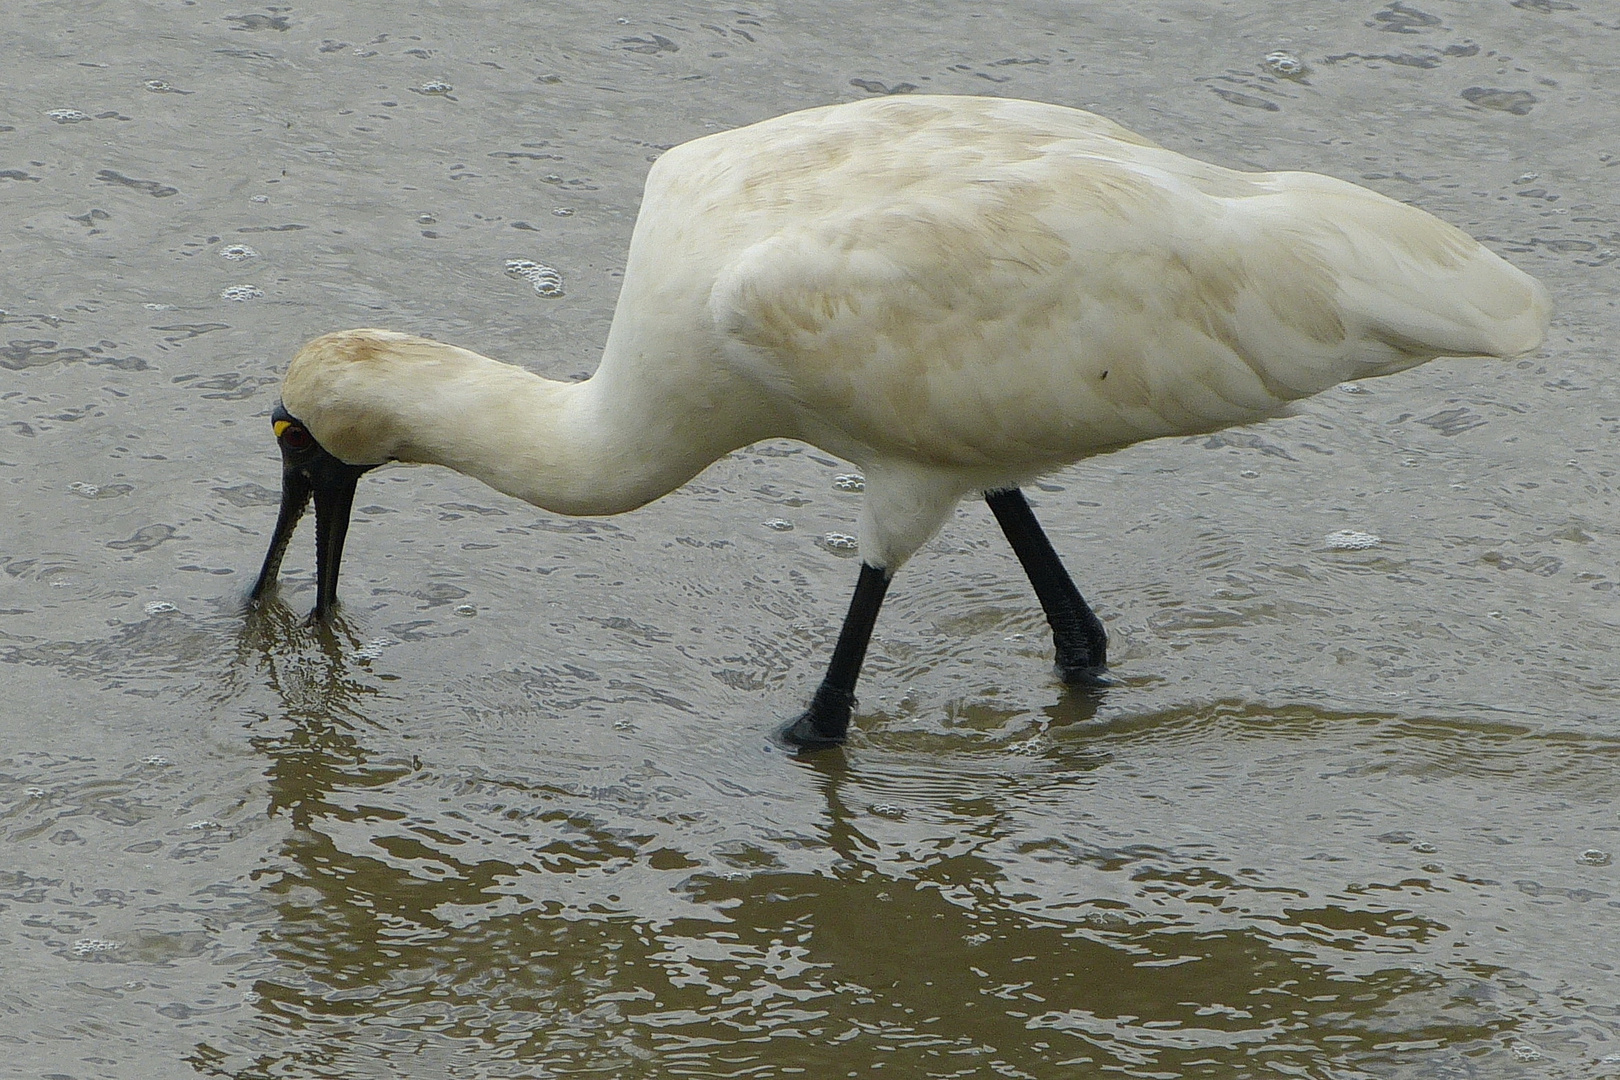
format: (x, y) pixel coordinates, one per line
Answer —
(826, 721)
(1082, 646)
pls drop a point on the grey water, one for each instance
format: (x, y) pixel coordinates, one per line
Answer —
(1350, 812)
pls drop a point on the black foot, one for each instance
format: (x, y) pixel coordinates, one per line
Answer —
(824, 724)
(801, 734)
(1086, 678)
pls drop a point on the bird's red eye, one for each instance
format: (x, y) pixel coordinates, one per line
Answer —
(297, 438)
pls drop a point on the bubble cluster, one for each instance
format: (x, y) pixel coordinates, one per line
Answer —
(158, 607)
(840, 543)
(1351, 540)
(779, 524)
(1284, 64)
(241, 292)
(850, 482)
(90, 946)
(545, 279)
(434, 88)
(1594, 857)
(372, 649)
(67, 116)
(237, 252)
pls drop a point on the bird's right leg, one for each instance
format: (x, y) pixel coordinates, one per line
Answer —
(1082, 646)
(826, 721)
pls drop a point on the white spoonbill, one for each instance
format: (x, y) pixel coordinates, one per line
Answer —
(958, 294)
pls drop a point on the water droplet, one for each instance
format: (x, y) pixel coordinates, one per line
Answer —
(237, 252)
(545, 279)
(1284, 64)
(779, 524)
(34, 792)
(158, 86)
(888, 810)
(466, 611)
(80, 488)
(1354, 388)
(850, 482)
(622, 724)
(563, 211)
(840, 543)
(1248, 474)
(156, 760)
(1594, 857)
(1424, 848)
(1351, 540)
(260, 199)
(158, 307)
(241, 292)
(433, 88)
(67, 116)
(158, 607)
(1528, 178)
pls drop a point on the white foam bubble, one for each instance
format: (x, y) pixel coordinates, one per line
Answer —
(840, 543)
(1285, 64)
(1351, 540)
(545, 279)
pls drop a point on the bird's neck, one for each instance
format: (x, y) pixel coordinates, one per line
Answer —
(602, 446)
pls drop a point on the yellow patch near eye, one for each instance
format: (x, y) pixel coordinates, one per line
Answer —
(281, 425)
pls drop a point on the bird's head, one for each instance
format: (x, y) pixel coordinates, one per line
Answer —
(334, 423)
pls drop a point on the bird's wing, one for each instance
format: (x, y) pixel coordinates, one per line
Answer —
(1001, 321)
(1094, 301)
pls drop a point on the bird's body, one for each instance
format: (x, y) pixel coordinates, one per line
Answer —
(957, 294)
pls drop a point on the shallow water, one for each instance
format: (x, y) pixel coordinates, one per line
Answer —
(1349, 813)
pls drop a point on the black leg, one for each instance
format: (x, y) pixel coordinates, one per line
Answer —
(826, 721)
(1082, 646)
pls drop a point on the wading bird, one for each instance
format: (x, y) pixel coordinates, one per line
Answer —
(958, 294)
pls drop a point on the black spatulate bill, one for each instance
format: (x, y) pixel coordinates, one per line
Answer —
(310, 472)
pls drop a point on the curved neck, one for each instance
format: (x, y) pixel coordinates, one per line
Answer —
(602, 446)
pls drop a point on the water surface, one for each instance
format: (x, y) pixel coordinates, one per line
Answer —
(1349, 813)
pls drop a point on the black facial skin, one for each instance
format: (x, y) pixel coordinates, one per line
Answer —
(308, 472)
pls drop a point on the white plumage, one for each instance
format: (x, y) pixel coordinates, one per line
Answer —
(956, 293)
